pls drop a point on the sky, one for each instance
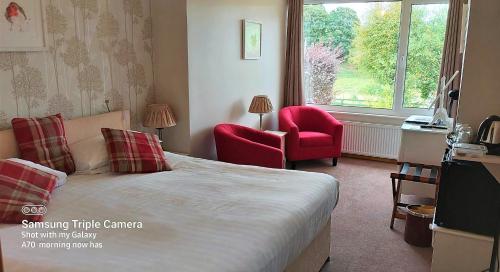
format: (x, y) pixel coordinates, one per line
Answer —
(360, 8)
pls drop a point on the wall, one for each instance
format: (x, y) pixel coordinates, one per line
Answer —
(96, 50)
(480, 88)
(171, 68)
(221, 84)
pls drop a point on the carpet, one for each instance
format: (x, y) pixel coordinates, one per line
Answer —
(361, 237)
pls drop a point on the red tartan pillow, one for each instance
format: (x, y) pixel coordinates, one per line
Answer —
(134, 152)
(22, 185)
(43, 141)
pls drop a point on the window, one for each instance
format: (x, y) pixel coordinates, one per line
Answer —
(374, 57)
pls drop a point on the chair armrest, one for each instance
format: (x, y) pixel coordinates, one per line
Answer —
(287, 125)
(235, 149)
(264, 138)
(333, 127)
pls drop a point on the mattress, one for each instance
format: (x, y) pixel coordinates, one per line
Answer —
(202, 216)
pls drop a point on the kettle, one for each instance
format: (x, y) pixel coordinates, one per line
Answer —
(489, 134)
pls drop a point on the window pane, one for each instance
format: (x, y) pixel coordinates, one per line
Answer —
(425, 46)
(351, 53)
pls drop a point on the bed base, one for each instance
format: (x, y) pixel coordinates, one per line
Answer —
(314, 257)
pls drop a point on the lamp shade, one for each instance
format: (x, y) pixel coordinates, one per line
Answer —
(261, 104)
(159, 116)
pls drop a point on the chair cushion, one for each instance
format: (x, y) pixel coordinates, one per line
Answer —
(315, 139)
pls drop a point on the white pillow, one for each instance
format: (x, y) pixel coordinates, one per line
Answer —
(60, 176)
(89, 155)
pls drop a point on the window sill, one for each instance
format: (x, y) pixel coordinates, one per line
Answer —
(368, 118)
(370, 115)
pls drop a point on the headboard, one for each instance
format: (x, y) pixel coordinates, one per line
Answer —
(76, 130)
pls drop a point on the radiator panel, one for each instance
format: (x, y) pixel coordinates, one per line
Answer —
(375, 140)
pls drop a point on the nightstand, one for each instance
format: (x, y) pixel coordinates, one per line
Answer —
(282, 135)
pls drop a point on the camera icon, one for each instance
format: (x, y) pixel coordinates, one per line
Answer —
(34, 209)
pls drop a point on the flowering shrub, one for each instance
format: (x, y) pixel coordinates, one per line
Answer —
(321, 67)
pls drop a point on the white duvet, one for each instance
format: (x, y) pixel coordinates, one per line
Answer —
(202, 216)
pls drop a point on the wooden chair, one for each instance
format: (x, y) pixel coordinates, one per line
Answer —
(411, 172)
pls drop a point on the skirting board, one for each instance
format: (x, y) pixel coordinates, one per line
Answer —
(369, 158)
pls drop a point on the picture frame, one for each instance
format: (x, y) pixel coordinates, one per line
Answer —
(22, 26)
(251, 40)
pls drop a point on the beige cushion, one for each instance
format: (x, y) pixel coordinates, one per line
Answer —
(90, 155)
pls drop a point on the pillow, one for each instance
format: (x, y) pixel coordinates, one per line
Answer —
(134, 152)
(22, 185)
(43, 141)
(100, 170)
(89, 154)
(61, 177)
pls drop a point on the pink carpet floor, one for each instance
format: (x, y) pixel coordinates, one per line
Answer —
(361, 237)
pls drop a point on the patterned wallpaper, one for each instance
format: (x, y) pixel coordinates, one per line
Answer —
(97, 50)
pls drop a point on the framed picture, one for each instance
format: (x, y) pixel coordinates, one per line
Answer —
(21, 25)
(252, 40)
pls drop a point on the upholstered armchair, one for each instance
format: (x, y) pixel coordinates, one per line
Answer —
(243, 145)
(312, 133)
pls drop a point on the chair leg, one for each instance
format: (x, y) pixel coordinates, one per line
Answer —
(395, 204)
(393, 188)
(334, 162)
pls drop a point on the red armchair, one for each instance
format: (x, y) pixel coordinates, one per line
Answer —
(312, 133)
(243, 145)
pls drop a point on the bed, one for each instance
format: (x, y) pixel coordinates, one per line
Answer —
(203, 216)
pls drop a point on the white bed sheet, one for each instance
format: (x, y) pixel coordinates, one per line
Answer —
(202, 216)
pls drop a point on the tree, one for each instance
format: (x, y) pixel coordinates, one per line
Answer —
(321, 67)
(376, 48)
(376, 42)
(344, 22)
(335, 29)
(427, 33)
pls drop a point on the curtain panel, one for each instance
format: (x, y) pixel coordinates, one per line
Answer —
(452, 58)
(293, 91)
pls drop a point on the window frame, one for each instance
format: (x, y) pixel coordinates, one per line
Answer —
(399, 83)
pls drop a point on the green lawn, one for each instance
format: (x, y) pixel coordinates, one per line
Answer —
(357, 88)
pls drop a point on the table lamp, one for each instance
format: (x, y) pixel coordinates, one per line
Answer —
(159, 116)
(261, 104)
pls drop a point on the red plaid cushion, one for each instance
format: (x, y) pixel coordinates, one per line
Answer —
(134, 152)
(22, 185)
(43, 141)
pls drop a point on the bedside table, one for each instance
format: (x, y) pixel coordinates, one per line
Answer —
(282, 135)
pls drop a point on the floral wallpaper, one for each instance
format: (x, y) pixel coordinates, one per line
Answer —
(97, 50)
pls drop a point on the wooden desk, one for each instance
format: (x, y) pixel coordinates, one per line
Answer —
(486, 159)
(464, 194)
(491, 162)
(459, 251)
(422, 145)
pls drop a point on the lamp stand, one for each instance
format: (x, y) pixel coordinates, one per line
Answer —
(260, 114)
(160, 136)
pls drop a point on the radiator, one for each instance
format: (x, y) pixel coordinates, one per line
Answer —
(375, 140)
